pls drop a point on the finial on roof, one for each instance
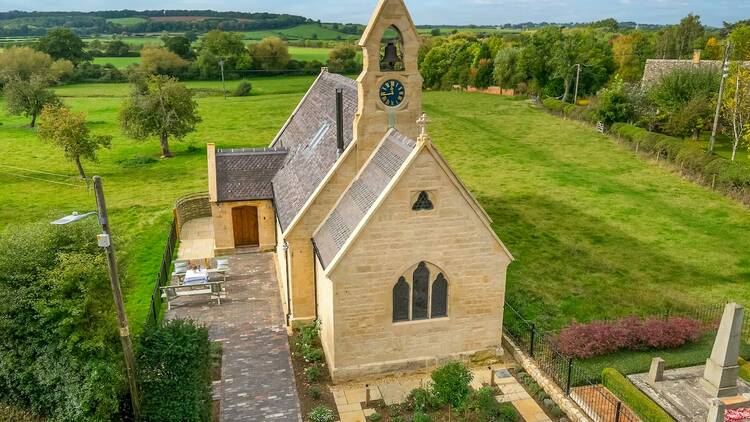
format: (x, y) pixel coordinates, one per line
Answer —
(324, 69)
(422, 122)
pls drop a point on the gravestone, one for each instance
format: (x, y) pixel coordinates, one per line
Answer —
(656, 373)
(721, 373)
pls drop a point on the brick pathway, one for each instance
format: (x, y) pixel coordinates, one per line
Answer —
(257, 377)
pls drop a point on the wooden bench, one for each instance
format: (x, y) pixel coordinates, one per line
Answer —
(213, 289)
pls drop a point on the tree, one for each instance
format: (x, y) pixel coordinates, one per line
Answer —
(179, 45)
(68, 131)
(223, 44)
(23, 63)
(163, 107)
(435, 32)
(507, 70)
(740, 39)
(630, 53)
(62, 43)
(271, 54)
(28, 97)
(736, 106)
(60, 354)
(679, 41)
(117, 48)
(61, 70)
(227, 46)
(684, 99)
(612, 104)
(160, 61)
(343, 59)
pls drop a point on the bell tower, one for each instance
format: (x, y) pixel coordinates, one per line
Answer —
(390, 85)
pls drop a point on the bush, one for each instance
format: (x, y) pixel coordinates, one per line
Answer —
(483, 402)
(451, 384)
(643, 406)
(321, 414)
(314, 373)
(420, 417)
(421, 399)
(174, 363)
(243, 89)
(598, 338)
(314, 392)
(374, 417)
(744, 369)
(312, 354)
(613, 105)
(554, 104)
(61, 356)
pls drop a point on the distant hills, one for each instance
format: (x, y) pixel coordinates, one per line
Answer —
(22, 24)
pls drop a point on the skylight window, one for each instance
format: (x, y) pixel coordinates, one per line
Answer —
(319, 135)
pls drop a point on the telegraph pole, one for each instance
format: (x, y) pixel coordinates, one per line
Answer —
(223, 87)
(578, 76)
(724, 75)
(105, 241)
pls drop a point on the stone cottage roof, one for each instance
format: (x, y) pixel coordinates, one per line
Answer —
(310, 137)
(246, 174)
(657, 68)
(361, 195)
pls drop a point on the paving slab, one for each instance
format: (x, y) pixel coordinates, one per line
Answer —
(257, 377)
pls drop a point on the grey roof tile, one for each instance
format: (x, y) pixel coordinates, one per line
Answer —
(310, 138)
(246, 174)
(361, 195)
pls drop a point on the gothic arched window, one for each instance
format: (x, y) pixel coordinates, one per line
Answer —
(420, 294)
(423, 202)
(439, 297)
(416, 296)
(401, 300)
(392, 50)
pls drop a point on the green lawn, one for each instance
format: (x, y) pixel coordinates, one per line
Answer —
(127, 21)
(307, 54)
(140, 197)
(118, 62)
(596, 231)
(307, 31)
(151, 39)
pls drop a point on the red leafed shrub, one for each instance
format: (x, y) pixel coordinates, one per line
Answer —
(598, 338)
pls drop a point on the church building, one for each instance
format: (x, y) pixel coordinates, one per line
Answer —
(374, 235)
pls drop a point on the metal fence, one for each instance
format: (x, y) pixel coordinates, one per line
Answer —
(163, 277)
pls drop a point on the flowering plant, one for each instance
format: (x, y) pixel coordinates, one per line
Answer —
(737, 415)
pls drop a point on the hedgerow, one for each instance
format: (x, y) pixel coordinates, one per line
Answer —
(598, 338)
(638, 402)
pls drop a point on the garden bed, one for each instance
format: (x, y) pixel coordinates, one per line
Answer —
(312, 384)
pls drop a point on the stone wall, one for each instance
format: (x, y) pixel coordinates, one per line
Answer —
(571, 409)
(191, 207)
(451, 237)
(224, 228)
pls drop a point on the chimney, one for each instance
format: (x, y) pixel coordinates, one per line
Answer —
(339, 121)
(696, 56)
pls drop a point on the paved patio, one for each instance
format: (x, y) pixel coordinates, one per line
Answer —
(395, 389)
(257, 378)
(197, 239)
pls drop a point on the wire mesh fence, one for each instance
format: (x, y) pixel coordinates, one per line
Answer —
(163, 276)
(576, 379)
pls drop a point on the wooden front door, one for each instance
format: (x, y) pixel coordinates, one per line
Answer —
(245, 223)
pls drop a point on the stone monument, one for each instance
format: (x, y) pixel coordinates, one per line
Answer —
(656, 373)
(720, 377)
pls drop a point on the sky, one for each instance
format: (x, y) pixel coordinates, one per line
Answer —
(434, 12)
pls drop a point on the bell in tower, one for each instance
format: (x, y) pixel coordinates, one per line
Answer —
(391, 58)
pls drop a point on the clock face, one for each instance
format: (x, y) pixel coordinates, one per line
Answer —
(392, 93)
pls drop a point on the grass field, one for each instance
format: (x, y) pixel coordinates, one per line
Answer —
(596, 232)
(151, 39)
(118, 62)
(127, 21)
(301, 32)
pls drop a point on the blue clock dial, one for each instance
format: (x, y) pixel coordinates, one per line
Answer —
(392, 93)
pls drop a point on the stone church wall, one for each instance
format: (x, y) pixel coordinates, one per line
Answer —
(223, 228)
(453, 238)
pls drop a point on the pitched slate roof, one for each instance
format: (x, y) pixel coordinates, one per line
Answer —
(246, 174)
(310, 138)
(362, 194)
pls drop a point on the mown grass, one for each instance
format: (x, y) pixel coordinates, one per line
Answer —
(306, 31)
(127, 21)
(118, 62)
(596, 232)
(140, 198)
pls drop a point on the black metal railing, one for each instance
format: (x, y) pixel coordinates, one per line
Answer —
(163, 277)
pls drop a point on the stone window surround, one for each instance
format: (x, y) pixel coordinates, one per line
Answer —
(409, 277)
(432, 194)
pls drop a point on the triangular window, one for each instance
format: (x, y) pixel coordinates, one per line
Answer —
(423, 202)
